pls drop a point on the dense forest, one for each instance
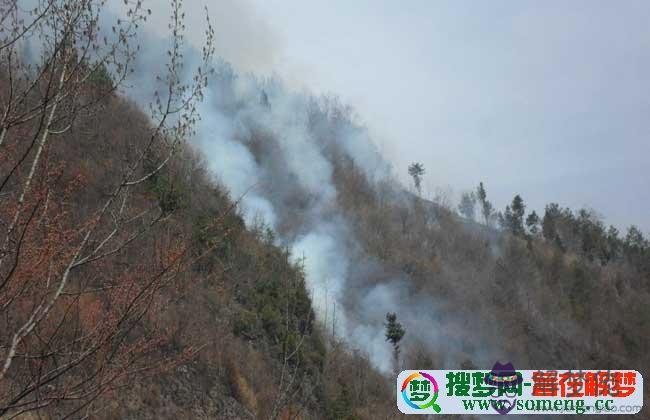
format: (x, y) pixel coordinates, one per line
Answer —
(228, 248)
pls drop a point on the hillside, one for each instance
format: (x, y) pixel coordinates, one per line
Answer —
(233, 251)
(239, 338)
(428, 261)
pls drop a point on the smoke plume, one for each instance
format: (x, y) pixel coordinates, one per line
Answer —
(276, 150)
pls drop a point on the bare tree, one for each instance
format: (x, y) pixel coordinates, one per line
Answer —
(68, 334)
(292, 377)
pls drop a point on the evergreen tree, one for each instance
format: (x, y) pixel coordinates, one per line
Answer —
(634, 239)
(552, 215)
(613, 244)
(532, 222)
(513, 217)
(394, 333)
(518, 210)
(467, 205)
(505, 219)
(486, 207)
(416, 170)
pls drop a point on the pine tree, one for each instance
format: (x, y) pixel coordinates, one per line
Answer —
(552, 215)
(394, 333)
(532, 222)
(416, 170)
(613, 244)
(486, 207)
(517, 221)
(467, 205)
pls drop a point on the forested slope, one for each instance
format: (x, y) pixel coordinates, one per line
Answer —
(230, 334)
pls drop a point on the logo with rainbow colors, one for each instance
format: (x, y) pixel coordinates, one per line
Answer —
(420, 391)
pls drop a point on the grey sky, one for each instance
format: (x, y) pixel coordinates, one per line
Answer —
(547, 99)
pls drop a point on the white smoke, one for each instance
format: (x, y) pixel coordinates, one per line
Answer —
(232, 164)
(326, 269)
(294, 164)
(274, 148)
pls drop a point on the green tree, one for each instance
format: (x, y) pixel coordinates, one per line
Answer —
(637, 249)
(513, 218)
(552, 214)
(416, 170)
(592, 235)
(487, 210)
(613, 244)
(394, 333)
(634, 239)
(532, 222)
(467, 205)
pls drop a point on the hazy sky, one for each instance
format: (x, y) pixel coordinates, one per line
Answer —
(548, 99)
